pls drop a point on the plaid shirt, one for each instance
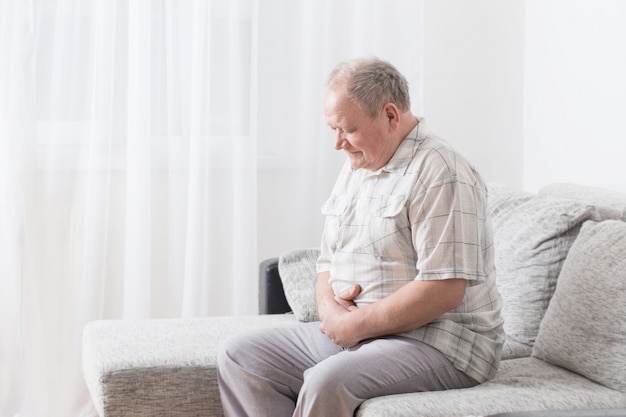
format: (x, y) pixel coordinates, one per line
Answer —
(423, 216)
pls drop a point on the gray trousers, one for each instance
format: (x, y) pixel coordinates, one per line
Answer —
(298, 371)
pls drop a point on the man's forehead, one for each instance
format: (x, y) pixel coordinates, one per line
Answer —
(337, 112)
(333, 96)
(336, 100)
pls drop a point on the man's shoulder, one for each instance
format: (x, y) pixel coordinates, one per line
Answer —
(436, 155)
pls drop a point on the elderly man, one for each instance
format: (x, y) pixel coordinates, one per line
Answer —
(406, 289)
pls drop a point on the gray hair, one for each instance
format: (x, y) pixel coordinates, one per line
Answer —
(370, 83)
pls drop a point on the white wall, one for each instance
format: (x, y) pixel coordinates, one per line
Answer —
(473, 82)
(575, 93)
(298, 164)
(533, 92)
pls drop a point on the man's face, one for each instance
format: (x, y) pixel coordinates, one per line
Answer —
(365, 140)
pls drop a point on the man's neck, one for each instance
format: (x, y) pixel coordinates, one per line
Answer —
(407, 123)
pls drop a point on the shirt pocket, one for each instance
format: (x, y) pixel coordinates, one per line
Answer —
(389, 228)
(336, 205)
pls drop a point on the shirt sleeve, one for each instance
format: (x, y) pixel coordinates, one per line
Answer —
(448, 219)
(324, 260)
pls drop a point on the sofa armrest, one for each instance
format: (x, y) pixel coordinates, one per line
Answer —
(271, 294)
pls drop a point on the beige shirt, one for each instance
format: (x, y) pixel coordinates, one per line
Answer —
(423, 216)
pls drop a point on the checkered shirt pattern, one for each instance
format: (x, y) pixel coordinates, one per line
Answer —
(423, 216)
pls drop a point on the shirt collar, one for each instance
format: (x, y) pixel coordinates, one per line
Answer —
(401, 159)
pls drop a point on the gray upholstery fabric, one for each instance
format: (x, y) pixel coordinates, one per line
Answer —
(298, 274)
(532, 235)
(584, 329)
(611, 412)
(144, 368)
(599, 197)
(520, 385)
(178, 391)
(167, 367)
(513, 349)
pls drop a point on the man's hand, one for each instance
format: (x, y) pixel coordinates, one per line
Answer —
(335, 323)
(410, 307)
(345, 298)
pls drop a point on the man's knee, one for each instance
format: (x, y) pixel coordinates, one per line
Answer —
(234, 349)
(329, 376)
(328, 389)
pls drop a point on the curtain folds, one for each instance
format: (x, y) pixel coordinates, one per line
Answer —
(151, 153)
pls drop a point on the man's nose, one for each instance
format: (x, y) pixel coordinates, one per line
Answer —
(340, 140)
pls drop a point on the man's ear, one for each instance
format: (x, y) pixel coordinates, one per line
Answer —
(392, 114)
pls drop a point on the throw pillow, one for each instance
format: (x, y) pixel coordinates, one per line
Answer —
(584, 329)
(532, 236)
(298, 273)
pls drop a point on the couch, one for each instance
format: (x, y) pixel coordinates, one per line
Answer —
(561, 264)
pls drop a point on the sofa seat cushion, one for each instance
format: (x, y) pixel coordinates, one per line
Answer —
(160, 367)
(514, 349)
(520, 385)
(168, 367)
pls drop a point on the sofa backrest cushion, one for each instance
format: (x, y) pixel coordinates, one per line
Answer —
(298, 274)
(584, 329)
(599, 197)
(532, 236)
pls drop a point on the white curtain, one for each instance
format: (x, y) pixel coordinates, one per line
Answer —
(151, 153)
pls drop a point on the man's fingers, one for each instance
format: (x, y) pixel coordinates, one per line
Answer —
(350, 292)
